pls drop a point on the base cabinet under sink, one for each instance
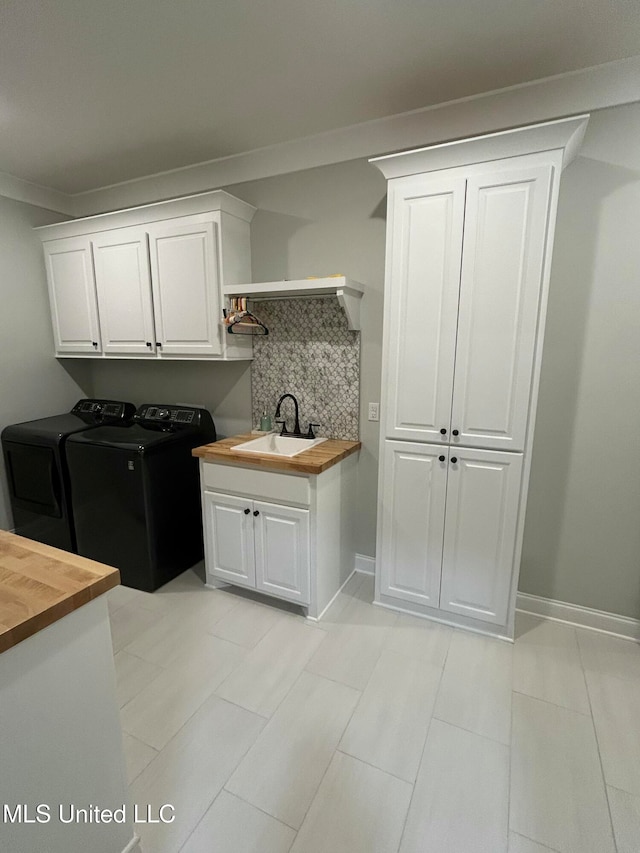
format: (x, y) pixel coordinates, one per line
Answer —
(286, 535)
(260, 545)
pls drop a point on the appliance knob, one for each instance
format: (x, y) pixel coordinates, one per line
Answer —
(163, 414)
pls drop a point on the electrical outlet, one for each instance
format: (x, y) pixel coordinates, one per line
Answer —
(374, 411)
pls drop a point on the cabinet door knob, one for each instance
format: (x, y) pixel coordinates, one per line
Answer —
(149, 344)
(158, 344)
(454, 459)
(95, 344)
(255, 512)
(441, 458)
(443, 431)
(247, 511)
(455, 432)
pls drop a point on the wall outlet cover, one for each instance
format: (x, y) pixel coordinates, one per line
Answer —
(374, 411)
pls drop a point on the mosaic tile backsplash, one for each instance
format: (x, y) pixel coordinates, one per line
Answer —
(310, 353)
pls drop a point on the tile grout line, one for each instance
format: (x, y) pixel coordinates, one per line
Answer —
(311, 802)
(424, 745)
(186, 841)
(549, 702)
(595, 735)
(533, 841)
(374, 766)
(249, 803)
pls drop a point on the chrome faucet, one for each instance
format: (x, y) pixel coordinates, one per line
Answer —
(297, 432)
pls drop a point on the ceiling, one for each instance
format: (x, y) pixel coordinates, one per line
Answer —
(94, 92)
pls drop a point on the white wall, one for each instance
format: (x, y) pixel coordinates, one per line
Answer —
(32, 383)
(582, 536)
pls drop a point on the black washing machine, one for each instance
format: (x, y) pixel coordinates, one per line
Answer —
(136, 493)
(35, 463)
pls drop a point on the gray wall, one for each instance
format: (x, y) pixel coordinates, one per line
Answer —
(32, 383)
(582, 536)
(582, 540)
(323, 221)
(224, 389)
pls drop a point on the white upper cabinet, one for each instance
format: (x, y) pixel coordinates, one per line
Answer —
(505, 228)
(124, 291)
(72, 295)
(186, 287)
(424, 251)
(462, 322)
(158, 272)
(483, 490)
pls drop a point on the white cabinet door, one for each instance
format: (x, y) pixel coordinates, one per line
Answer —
(423, 277)
(483, 493)
(228, 530)
(124, 291)
(186, 287)
(72, 294)
(282, 551)
(505, 231)
(412, 506)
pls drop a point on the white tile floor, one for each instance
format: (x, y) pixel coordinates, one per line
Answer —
(372, 732)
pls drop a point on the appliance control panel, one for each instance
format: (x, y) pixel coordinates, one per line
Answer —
(103, 410)
(168, 418)
(169, 415)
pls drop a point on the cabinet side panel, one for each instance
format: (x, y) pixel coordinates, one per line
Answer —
(422, 300)
(480, 531)
(412, 517)
(502, 275)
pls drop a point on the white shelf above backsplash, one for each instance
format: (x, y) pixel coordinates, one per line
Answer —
(347, 291)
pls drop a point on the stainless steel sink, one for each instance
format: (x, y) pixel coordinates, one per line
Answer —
(278, 445)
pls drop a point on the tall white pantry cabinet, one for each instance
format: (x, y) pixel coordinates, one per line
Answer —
(469, 238)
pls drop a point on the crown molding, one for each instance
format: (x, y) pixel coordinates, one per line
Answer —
(46, 197)
(564, 135)
(609, 85)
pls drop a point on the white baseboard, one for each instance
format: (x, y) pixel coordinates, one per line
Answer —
(133, 845)
(365, 565)
(556, 611)
(583, 617)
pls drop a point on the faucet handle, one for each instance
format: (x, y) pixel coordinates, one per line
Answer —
(284, 430)
(310, 433)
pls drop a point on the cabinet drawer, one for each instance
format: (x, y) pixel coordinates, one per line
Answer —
(270, 485)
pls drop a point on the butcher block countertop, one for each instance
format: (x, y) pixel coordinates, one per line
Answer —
(313, 461)
(40, 584)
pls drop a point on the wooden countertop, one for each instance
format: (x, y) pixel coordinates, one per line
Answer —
(40, 584)
(313, 461)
